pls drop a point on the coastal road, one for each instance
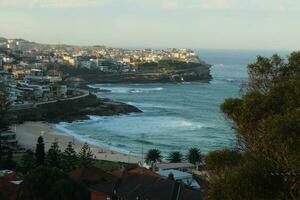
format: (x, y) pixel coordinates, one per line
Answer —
(84, 93)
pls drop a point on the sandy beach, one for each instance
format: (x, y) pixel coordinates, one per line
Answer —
(27, 134)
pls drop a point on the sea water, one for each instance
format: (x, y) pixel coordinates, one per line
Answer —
(175, 117)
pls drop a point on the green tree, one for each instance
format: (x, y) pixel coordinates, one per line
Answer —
(70, 158)
(50, 183)
(194, 156)
(40, 151)
(27, 162)
(4, 117)
(153, 155)
(222, 159)
(8, 162)
(250, 180)
(53, 157)
(85, 156)
(175, 157)
(266, 120)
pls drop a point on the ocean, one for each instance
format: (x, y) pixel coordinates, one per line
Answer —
(175, 117)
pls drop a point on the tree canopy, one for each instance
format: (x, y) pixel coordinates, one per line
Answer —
(50, 183)
(175, 157)
(40, 151)
(153, 155)
(266, 120)
(194, 155)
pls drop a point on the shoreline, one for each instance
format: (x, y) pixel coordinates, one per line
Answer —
(28, 132)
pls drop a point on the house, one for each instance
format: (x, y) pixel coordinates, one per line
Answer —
(180, 176)
(9, 139)
(137, 170)
(142, 187)
(91, 175)
(9, 184)
(177, 166)
(59, 91)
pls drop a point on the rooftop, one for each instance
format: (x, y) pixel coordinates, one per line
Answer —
(165, 166)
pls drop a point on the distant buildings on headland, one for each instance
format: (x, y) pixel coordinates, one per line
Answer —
(29, 69)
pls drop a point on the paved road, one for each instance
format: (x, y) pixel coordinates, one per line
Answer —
(84, 93)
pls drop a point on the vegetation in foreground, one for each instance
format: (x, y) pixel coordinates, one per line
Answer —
(264, 166)
(266, 119)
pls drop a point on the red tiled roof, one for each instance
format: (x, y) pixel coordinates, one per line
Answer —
(91, 175)
(142, 170)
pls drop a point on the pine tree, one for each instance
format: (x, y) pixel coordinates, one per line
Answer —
(85, 156)
(27, 162)
(70, 158)
(54, 156)
(40, 151)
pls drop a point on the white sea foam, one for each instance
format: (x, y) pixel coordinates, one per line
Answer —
(117, 89)
(63, 128)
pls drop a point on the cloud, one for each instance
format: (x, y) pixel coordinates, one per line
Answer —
(209, 5)
(169, 5)
(50, 3)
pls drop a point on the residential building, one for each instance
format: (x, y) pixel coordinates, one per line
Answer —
(8, 139)
(180, 176)
(177, 166)
(142, 187)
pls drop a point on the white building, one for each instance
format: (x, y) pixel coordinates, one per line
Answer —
(180, 176)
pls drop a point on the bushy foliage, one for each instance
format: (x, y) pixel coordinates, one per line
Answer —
(222, 159)
(27, 162)
(70, 158)
(5, 118)
(266, 120)
(85, 156)
(50, 183)
(4, 107)
(54, 156)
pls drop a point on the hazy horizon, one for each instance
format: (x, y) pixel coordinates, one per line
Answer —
(213, 24)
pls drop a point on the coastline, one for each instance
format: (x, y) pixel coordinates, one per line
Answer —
(28, 132)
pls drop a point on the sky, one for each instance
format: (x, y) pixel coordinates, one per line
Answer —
(221, 24)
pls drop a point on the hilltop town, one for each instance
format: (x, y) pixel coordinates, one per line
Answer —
(37, 73)
(101, 64)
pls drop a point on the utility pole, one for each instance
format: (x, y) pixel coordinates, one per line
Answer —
(143, 136)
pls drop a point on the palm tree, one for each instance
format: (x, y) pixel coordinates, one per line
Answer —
(153, 155)
(175, 157)
(194, 156)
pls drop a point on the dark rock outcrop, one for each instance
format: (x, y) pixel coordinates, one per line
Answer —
(73, 110)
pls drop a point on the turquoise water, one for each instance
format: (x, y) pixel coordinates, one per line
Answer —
(175, 116)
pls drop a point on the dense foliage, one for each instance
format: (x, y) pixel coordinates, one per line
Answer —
(4, 107)
(266, 120)
(40, 151)
(50, 183)
(5, 120)
(167, 65)
(194, 155)
(222, 159)
(175, 157)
